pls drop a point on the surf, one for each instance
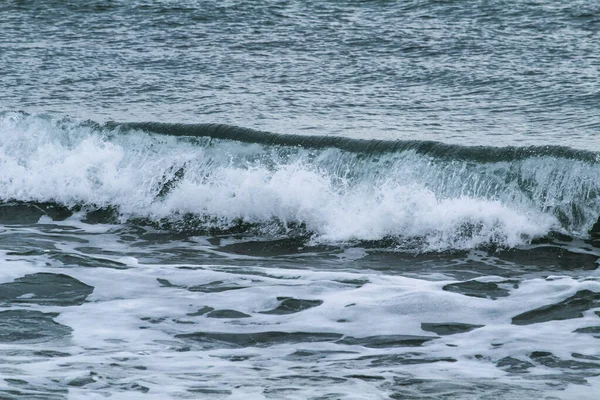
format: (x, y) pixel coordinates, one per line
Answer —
(421, 195)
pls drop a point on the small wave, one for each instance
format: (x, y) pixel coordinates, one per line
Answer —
(415, 195)
(439, 150)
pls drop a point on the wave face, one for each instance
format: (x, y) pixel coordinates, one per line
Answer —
(423, 196)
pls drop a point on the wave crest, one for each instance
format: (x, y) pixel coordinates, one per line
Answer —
(424, 195)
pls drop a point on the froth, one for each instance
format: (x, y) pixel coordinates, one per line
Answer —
(336, 196)
(362, 212)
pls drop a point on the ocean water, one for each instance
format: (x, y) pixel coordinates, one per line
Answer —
(299, 199)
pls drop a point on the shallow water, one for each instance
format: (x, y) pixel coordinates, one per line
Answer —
(299, 200)
(95, 310)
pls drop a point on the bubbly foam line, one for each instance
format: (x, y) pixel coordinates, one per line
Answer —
(384, 305)
(420, 200)
(362, 214)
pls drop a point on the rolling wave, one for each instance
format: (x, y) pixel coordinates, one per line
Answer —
(422, 195)
(370, 147)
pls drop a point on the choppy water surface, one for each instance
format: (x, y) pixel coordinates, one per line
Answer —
(468, 72)
(299, 200)
(94, 310)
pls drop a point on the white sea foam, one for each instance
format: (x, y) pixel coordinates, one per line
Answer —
(126, 335)
(337, 196)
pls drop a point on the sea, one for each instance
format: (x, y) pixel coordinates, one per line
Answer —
(286, 199)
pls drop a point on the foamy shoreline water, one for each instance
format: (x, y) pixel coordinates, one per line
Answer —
(189, 318)
(299, 200)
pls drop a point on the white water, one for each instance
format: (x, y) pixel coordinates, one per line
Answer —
(418, 200)
(148, 288)
(124, 337)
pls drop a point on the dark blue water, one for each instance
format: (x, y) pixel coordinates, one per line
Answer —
(296, 200)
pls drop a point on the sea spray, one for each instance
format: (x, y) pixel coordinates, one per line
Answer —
(419, 194)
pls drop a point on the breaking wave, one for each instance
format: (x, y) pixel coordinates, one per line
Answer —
(415, 194)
